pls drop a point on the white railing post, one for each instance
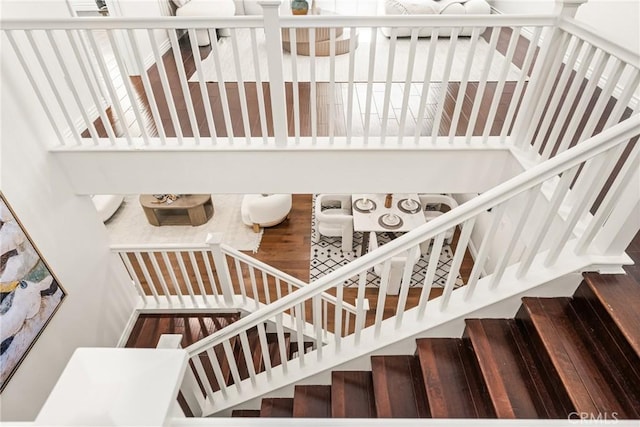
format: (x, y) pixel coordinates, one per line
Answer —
(273, 38)
(568, 8)
(214, 240)
(189, 385)
(543, 66)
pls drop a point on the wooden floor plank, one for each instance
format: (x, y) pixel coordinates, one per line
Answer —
(448, 392)
(586, 383)
(620, 296)
(399, 388)
(352, 394)
(312, 401)
(281, 407)
(514, 392)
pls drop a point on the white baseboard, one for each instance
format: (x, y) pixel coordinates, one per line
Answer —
(128, 328)
(150, 59)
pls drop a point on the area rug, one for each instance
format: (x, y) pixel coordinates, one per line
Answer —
(327, 256)
(361, 70)
(129, 225)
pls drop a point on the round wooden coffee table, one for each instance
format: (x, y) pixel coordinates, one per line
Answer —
(188, 209)
(322, 39)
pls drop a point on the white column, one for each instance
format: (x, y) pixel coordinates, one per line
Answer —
(568, 8)
(189, 388)
(273, 40)
(214, 240)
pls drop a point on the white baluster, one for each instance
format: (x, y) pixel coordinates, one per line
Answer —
(174, 280)
(202, 83)
(184, 85)
(461, 248)
(273, 38)
(462, 89)
(214, 240)
(434, 257)
(168, 95)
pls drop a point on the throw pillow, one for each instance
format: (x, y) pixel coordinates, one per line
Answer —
(180, 3)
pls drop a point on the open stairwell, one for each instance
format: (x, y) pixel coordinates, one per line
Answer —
(558, 358)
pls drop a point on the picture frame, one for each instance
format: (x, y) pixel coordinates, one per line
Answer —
(30, 293)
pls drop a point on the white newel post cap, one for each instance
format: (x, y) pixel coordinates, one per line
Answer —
(269, 3)
(214, 239)
(568, 7)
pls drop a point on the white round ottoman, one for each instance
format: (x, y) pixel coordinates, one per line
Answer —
(265, 210)
(209, 8)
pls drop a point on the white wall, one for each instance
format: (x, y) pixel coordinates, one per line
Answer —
(616, 20)
(143, 9)
(67, 232)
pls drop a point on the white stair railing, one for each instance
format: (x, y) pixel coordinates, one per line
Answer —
(98, 105)
(522, 198)
(214, 276)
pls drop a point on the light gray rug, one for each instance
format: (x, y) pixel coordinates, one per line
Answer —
(129, 225)
(322, 64)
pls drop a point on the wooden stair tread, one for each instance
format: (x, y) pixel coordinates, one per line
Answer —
(399, 389)
(254, 413)
(586, 384)
(352, 394)
(513, 381)
(620, 295)
(312, 401)
(281, 407)
(612, 351)
(453, 388)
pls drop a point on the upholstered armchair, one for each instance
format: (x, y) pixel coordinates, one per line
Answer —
(398, 263)
(106, 205)
(336, 220)
(265, 210)
(437, 200)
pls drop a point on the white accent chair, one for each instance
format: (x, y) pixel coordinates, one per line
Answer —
(427, 200)
(398, 262)
(335, 221)
(106, 205)
(265, 210)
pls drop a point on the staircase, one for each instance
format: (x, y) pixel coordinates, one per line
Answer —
(559, 358)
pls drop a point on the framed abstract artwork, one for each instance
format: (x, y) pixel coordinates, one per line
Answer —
(29, 293)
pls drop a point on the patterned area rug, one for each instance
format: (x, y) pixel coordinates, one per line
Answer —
(327, 256)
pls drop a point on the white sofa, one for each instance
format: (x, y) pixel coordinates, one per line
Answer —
(266, 210)
(432, 7)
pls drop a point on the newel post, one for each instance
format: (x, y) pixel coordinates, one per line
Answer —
(189, 387)
(568, 8)
(552, 46)
(273, 38)
(214, 240)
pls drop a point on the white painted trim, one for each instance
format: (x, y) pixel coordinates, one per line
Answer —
(150, 59)
(382, 422)
(126, 332)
